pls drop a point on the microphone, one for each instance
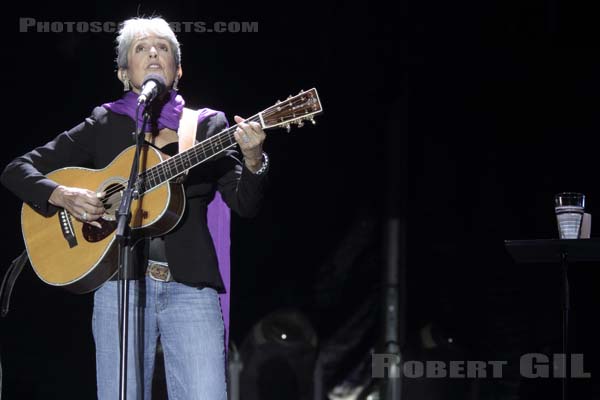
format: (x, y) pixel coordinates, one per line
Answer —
(154, 85)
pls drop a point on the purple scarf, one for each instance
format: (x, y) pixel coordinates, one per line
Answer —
(170, 112)
(218, 214)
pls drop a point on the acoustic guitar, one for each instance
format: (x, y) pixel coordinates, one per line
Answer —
(80, 257)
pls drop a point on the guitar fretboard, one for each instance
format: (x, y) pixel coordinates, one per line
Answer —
(181, 162)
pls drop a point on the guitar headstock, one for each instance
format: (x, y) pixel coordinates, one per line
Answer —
(294, 110)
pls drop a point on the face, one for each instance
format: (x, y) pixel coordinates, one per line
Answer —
(150, 55)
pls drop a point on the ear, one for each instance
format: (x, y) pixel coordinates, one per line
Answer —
(121, 74)
(179, 72)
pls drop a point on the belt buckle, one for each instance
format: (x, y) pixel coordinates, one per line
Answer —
(157, 272)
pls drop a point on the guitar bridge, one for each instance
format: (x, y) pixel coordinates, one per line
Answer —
(66, 226)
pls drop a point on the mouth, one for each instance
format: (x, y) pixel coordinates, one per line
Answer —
(153, 67)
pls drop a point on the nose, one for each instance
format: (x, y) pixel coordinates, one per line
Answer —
(153, 52)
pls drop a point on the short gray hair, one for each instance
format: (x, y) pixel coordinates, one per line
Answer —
(135, 27)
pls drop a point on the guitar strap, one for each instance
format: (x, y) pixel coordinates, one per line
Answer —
(10, 276)
(188, 124)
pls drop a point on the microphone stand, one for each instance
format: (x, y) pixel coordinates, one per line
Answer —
(123, 235)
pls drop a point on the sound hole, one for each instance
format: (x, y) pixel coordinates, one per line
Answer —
(114, 193)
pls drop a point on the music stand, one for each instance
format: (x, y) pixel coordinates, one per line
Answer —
(562, 252)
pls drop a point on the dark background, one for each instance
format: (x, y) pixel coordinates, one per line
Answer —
(497, 103)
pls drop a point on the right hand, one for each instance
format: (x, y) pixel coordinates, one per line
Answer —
(83, 204)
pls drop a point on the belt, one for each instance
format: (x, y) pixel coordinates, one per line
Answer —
(159, 272)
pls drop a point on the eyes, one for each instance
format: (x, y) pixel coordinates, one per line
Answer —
(145, 47)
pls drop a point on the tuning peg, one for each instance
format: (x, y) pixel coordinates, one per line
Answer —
(289, 97)
(278, 102)
(300, 123)
(301, 90)
(288, 128)
(312, 119)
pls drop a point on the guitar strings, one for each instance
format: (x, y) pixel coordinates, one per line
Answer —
(178, 163)
(178, 160)
(222, 138)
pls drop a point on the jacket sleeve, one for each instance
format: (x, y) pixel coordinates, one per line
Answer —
(240, 188)
(25, 176)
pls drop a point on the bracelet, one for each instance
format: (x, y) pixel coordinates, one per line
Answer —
(265, 164)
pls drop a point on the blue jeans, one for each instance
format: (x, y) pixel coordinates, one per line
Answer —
(188, 321)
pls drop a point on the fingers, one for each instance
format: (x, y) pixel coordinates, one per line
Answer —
(248, 133)
(250, 137)
(89, 219)
(85, 205)
(93, 198)
(90, 204)
(87, 214)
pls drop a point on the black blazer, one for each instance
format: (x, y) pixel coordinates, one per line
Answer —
(98, 140)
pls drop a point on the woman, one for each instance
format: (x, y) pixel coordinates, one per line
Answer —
(176, 297)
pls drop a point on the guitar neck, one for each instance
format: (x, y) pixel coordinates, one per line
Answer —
(190, 158)
(294, 110)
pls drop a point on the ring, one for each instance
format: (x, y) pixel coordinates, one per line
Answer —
(84, 216)
(245, 138)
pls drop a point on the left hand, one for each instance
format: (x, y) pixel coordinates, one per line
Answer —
(250, 138)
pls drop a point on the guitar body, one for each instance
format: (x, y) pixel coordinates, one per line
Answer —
(80, 257)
